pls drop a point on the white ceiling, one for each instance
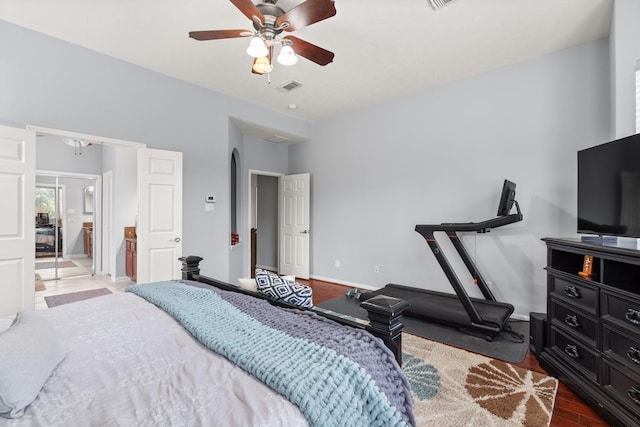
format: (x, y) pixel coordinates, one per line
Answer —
(383, 48)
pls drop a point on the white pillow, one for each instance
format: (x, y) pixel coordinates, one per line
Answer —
(7, 321)
(29, 352)
(248, 284)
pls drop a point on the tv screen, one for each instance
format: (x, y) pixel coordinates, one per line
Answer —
(507, 197)
(609, 188)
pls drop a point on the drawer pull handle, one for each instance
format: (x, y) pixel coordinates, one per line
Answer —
(572, 320)
(572, 292)
(634, 354)
(572, 351)
(633, 316)
(634, 394)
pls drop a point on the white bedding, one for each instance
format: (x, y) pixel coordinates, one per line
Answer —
(47, 239)
(129, 363)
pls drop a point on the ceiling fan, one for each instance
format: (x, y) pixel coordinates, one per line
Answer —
(269, 21)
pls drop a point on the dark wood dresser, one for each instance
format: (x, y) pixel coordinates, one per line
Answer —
(593, 324)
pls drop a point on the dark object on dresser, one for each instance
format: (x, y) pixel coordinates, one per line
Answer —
(593, 327)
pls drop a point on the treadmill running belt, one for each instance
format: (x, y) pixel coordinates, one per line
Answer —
(444, 308)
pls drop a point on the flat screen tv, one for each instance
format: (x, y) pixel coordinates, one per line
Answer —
(609, 188)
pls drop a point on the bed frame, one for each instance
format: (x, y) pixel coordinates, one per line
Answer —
(384, 312)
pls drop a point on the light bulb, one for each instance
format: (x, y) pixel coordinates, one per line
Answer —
(287, 56)
(257, 48)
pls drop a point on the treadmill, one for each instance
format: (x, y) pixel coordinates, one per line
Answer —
(480, 317)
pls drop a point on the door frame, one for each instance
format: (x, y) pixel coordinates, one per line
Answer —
(40, 130)
(252, 206)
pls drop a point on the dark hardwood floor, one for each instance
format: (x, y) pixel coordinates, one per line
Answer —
(569, 410)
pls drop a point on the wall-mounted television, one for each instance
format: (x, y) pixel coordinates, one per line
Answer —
(609, 188)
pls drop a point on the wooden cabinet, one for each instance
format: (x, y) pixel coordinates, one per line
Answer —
(87, 228)
(593, 325)
(131, 258)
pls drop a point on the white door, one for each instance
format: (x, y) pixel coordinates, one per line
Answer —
(17, 219)
(294, 198)
(159, 232)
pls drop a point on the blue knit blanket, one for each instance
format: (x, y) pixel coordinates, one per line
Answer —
(337, 376)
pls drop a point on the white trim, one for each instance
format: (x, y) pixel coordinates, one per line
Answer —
(101, 139)
(345, 283)
(250, 206)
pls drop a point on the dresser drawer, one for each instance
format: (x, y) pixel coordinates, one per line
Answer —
(621, 310)
(622, 347)
(576, 293)
(622, 385)
(569, 319)
(577, 354)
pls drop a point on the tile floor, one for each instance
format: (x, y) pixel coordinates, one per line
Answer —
(83, 267)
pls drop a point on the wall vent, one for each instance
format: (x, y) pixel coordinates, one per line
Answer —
(278, 138)
(437, 4)
(289, 86)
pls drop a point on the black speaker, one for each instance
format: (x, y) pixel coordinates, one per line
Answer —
(537, 332)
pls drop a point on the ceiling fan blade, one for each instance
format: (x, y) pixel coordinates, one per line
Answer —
(219, 34)
(248, 9)
(310, 51)
(307, 13)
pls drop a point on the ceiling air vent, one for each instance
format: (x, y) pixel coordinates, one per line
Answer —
(278, 139)
(289, 86)
(437, 4)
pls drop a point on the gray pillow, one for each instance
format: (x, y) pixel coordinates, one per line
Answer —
(29, 352)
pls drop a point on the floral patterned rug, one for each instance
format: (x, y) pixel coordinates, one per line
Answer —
(453, 387)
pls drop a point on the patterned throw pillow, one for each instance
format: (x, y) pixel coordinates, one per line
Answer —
(279, 288)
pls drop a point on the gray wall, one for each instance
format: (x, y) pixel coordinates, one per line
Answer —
(438, 155)
(625, 53)
(86, 92)
(441, 156)
(267, 218)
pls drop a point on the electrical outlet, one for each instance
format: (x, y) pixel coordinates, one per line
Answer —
(376, 269)
(337, 263)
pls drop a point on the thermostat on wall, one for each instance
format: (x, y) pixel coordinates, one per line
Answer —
(210, 199)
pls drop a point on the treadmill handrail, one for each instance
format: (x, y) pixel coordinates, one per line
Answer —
(481, 227)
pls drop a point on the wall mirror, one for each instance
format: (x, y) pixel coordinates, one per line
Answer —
(88, 199)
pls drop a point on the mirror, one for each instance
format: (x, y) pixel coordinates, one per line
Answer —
(88, 199)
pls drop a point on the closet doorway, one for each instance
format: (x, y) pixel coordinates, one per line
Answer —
(65, 214)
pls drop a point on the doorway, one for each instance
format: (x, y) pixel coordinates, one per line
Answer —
(264, 223)
(65, 218)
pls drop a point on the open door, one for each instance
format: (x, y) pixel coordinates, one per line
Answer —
(17, 219)
(159, 232)
(294, 200)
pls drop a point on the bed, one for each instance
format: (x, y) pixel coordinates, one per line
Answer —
(201, 353)
(46, 238)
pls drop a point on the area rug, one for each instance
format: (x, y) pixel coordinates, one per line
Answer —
(503, 347)
(40, 286)
(454, 387)
(52, 264)
(56, 300)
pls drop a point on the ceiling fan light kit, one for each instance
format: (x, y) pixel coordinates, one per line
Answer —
(287, 56)
(269, 21)
(262, 65)
(257, 48)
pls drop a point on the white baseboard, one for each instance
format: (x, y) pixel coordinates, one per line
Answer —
(342, 282)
